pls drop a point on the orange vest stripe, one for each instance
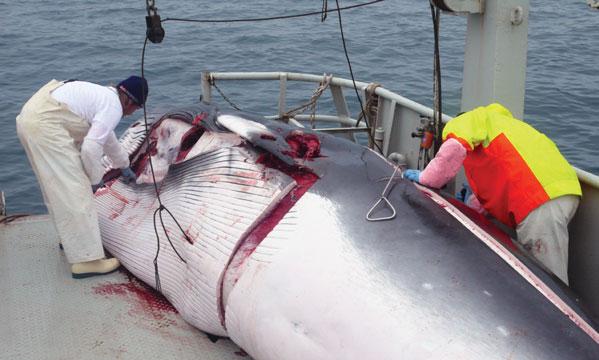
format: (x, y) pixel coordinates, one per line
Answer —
(511, 167)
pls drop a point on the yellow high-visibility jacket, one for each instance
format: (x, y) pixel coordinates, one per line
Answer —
(511, 167)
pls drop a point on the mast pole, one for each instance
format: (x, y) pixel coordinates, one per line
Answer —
(495, 52)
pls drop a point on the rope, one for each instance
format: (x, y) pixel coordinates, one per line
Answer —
(370, 135)
(371, 112)
(222, 94)
(437, 104)
(161, 206)
(11, 218)
(270, 18)
(322, 86)
(325, 10)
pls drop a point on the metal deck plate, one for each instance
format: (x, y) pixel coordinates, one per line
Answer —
(46, 314)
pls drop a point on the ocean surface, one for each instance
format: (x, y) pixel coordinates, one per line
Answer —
(390, 43)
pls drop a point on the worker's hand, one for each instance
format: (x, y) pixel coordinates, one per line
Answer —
(464, 193)
(412, 175)
(128, 175)
(97, 186)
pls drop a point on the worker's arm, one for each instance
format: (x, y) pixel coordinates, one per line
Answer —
(91, 155)
(115, 151)
(100, 140)
(445, 165)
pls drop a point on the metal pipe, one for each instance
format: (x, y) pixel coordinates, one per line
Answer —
(405, 102)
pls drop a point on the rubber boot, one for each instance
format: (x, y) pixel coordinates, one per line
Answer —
(95, 267)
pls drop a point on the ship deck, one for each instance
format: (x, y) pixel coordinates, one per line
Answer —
(46, 314)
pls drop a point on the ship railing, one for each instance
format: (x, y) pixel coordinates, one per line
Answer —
(397, 117)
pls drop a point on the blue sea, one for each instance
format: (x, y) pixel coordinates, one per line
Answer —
(390, 43)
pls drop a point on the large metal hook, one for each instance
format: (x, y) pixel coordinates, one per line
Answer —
(385, 201)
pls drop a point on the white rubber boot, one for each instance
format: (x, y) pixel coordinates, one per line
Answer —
(95, 267)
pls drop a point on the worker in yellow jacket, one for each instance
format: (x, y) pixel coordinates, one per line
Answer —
(517, 175)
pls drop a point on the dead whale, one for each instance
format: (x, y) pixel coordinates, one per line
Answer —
(271, 247)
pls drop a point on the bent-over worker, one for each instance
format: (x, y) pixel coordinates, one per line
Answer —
(65, 128)
(517, 175)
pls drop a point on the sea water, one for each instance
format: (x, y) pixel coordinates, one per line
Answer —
(390, 43)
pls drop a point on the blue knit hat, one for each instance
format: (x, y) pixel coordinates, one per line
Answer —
(136, 89)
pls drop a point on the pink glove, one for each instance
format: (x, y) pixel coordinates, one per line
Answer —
(445, 165)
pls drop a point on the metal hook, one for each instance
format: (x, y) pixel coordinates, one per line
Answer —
(384, 198)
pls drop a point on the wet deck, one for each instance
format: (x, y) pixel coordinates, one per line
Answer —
(45, 314)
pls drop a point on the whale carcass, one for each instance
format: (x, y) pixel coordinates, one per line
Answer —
(263, 238)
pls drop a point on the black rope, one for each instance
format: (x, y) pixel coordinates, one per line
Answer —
(271, 17)
(351, 72)
(10, 218)
(325, 10)
(438, 105)
(161, 206)
(225, 97)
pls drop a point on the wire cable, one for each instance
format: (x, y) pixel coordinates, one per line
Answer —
(351, 72)
(161, 206)
(280, 17)
(437, 100)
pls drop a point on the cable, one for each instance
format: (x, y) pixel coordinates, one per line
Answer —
(351, 72)
(271, 17)
(161, 206)
(324, 10)
(10, 218)
(437, 103)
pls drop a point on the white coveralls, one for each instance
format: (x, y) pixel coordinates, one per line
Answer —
(65, 144)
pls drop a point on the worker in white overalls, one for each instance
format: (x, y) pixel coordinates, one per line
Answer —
(65, 129)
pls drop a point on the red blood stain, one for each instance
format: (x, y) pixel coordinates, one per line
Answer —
(304, 179)
(144, 297)
(304, 146)
(118, 196)
(188, 236)
(248, 174)
(199, 118)
(188, 140)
